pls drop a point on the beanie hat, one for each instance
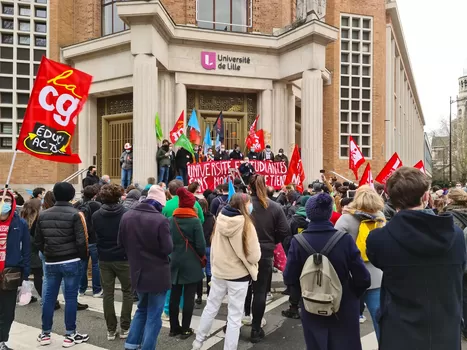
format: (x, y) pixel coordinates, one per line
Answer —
(186, 199)
(303, 200)
(158, 194)
(319, 207)
(63, 192)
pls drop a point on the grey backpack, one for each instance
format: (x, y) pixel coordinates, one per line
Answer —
(320, 284)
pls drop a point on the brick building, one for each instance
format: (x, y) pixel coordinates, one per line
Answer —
(315, 71)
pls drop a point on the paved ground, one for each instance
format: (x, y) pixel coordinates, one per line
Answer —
(282, 333)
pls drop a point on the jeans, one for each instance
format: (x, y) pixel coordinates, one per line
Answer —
(372, 301)
(126, 177)
(96, 278)
(7, 313)
(189, 304)
(70, 273)
(110, 270)
(164, 174)
(259, 290)
(147, 322)
(184, 174)
(237, 293)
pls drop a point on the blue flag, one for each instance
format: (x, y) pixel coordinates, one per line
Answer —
(231, 190)
(193, 122)
(218, 143)
(207, 140)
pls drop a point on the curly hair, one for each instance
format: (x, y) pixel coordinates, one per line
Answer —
(111, 193)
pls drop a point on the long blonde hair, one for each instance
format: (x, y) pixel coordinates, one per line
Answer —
(367, 200)
(30, 211)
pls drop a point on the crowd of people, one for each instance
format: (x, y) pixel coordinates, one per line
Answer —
(398, 251)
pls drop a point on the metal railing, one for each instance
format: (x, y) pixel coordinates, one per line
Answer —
(75, 174)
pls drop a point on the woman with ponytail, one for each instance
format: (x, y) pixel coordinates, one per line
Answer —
(235, 253)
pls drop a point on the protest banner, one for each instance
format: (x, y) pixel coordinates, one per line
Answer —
(212, 174)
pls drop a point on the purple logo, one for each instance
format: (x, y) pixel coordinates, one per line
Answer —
(208, 60)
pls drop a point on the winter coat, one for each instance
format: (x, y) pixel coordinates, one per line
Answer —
(271, 226)
(126, 160)
(253, 156)
(216, 203)
(389, 210)
(145, 235)
(236, 155)
(221, 156)
(162, 158)
(297, 223)
(183, 158)
(88, 207)
(60, 233)
(172, 204)
(18, 246)
(262, 156)
(208, 227)
(460, 210)
(228, 259)
(246, 169)
(331, 333)
(351, 224)
(185, 265)
(90, 180)
(106, 222)
(36, 262)
(132, 199)
(282, 158)
(422, 257)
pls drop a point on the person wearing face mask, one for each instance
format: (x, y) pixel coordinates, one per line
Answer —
(281, 157)
(236, 153)
(182, 159)
(105, 180)
(267, 154)
(222, 154)
(235, 253)
(253, 155)
(91, 177)
(209, 157)
(15, 248)
(246, 170)
(164, 160)
(126, 161)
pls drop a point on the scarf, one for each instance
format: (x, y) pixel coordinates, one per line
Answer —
(154, 203)
(4, 228)
(185, 213)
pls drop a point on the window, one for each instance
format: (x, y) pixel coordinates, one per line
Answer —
(24, 26)
(24, 39)
(41, 1)
(111, 22)
(6, 142)
(6, 128)
(22, 68)
(23, 54)
(41, 13)
(38, 55)
(8, 9)
(6, 67)
(7, 24)
(6, 97)
(25, 11)
(356, 75)
(7, 39)
(6, 113)
(227, 15)
(22, 83)
(41, 27)
(40, 41)
(22, 98)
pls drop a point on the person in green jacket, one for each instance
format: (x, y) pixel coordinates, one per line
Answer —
(173, 204)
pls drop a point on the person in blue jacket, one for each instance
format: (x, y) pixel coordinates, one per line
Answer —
(15, 254)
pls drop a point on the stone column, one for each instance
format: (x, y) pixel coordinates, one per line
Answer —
(145, 103)
(265, 120)
(166, 102)
(180, 102)
(87, 132)
(280, 113)
(312, 124)
(290, 122)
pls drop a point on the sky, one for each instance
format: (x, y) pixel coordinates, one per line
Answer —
(436, 36)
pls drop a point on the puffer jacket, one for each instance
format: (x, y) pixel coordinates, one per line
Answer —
(60, 233)
(132, 199)
(460, 218)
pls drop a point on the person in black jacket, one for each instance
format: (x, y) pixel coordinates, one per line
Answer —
(426, 252)
(61, 237)
(222, 154)
(246, 170)
(91, 177)
(113, 262)
(253, 155)
(182, 159)
(272, 228)
(236, 153)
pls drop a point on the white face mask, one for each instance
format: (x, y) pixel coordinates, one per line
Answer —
(222, 149)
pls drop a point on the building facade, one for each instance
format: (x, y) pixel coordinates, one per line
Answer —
(316, 72)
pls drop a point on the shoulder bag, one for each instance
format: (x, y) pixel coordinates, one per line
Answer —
(11, 278)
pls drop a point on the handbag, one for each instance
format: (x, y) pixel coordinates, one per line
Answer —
(11, 278)
(202, 259)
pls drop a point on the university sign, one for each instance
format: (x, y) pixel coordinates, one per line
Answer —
(211, 61)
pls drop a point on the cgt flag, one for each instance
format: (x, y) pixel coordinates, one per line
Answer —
(420, 166)
(177, 130)
(295, 173)
(367, 177)
(356, 158)
(57, 97)
(391, 166)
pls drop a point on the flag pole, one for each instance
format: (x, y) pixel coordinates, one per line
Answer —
(341, 176)
(13, 160)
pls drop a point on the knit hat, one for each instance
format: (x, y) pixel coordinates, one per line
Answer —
(303, 200)
(63, 192)
(319, 207)
(186, 199)
(157, 193)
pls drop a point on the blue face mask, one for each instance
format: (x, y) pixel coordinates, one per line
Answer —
(6, 208)
(250, 208)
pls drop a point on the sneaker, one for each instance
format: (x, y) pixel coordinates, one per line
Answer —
(73, 339)
(82, 307)
(44, 339)
(263, 322)
(57, 306)
(199, 301)
(98, 295)
(124, 333)
(82, 294)
(196, 345)
(269, 297)
(33, 300)
(3, 346)
(257, 336)
(111, 335)
(291, 313)
(246, 320)
(187, 334)
(165, 317)
(362, 319)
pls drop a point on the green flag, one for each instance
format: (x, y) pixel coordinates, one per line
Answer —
(159, 133)
(185, 143)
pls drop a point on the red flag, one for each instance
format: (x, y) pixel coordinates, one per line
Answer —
(195, 137)
(391, 166)
(177, 130)
(57, 97)
(253, 127)
(356, 158)
(256, 141)
(295, 173)
(367, 177)
(420, 166)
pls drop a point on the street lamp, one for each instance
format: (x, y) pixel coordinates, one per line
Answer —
(451, 101)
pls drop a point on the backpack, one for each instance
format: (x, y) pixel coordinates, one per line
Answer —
(366, 226)
(222, 204)
(319, 282)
